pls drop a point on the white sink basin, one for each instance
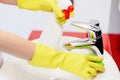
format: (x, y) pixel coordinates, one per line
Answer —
(18, 69)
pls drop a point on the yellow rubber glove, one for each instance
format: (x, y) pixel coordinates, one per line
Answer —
(44, 5)
(82, 65)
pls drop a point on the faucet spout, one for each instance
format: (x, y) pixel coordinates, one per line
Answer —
(94, 38)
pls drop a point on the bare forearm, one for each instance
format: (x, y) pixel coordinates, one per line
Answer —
(10, 2)
(16, 45)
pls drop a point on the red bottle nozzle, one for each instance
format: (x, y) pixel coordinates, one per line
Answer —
(70, 8)
(67, 12)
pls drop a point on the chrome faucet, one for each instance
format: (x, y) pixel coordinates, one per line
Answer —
(93, 41)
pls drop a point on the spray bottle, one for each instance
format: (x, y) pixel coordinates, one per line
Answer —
(53, 31)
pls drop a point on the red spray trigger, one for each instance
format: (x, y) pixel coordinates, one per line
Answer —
(67, 14)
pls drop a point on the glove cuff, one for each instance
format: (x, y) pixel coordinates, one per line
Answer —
(45, 56)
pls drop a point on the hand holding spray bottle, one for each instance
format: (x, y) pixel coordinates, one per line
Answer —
(53, 31)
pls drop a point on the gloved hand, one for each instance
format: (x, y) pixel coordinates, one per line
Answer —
(82, 65)
(44, 5)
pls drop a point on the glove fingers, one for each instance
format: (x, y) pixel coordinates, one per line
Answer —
(72, 13)
(88, 72)
(97, 66)
(87, 75)
(94, 58)
(59, 14)
(61, 20)
(57, 10)
(92, 71)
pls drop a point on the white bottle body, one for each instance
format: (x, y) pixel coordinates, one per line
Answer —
(52, 34)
